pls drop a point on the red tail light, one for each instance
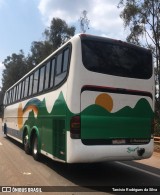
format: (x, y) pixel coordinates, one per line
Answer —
(75, 127)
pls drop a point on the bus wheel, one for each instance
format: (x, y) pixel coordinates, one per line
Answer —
(26, 144)
(35, 153)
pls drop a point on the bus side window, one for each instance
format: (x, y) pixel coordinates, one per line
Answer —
(60, 75)
(22, 93)
(11, 95)
(41, 79)
(30, 84)
(5, 99)
(65, 59)
(19, 91)
(52, 73)
(35, 81)
(26, 87)
(10, 92)
(47, 75)
(8, 97)
(59, 64)
(17, 88)
(14, 94)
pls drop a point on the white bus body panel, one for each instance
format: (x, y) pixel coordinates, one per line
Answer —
(77, 152)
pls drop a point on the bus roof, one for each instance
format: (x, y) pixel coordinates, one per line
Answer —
(82, 36)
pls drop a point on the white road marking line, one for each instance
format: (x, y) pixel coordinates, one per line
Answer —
(138, 169)
(1, 144)
(26, 173)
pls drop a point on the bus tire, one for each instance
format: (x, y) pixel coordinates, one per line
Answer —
(26, 144)
(35, 153)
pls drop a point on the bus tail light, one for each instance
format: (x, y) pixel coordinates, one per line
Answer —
(75, 127)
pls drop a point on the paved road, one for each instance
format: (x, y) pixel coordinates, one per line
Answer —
(19, 169)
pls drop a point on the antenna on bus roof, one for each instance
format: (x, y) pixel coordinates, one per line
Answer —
(84, 22)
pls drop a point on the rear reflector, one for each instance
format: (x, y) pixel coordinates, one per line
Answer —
(75, 127)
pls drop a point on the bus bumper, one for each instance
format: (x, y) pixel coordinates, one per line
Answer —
(77, 152)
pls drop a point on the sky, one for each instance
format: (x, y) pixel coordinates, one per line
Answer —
(24, 21)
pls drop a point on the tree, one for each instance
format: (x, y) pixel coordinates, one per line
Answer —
(59, 32)
(39, 51)
(84, 22)
(15, 68)
(18, 65)
(1, 103)
(143, 19)
(55, 35)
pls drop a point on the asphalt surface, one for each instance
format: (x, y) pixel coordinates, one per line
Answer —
(19, 169)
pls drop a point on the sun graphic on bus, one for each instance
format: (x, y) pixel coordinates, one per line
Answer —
(105, 100)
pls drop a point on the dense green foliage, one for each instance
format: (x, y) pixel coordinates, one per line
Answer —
(143, 20)
(58, 32)
(17, 65)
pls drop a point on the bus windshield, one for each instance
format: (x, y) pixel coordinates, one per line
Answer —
(116, 58)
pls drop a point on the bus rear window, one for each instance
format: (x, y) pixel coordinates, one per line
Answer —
(116, 59)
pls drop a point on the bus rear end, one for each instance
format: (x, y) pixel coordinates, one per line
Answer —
(116, 85)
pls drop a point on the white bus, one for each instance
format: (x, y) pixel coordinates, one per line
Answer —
(91, 100)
